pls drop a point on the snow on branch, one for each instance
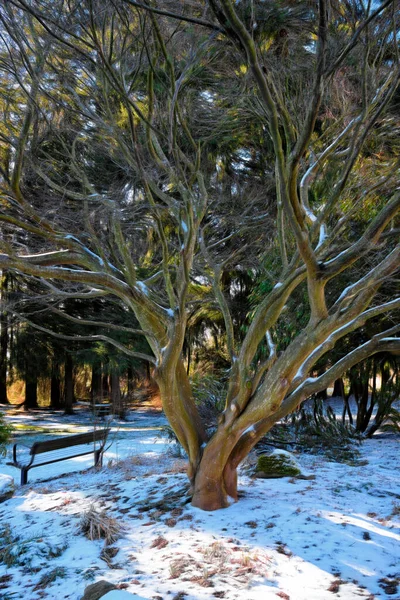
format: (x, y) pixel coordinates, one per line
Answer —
(338, 333)
(312, 385)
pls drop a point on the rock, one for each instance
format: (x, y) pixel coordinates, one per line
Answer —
(277, 464)
(98, 590)
(6, 487)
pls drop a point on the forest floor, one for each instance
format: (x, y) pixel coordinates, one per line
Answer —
(335, 536)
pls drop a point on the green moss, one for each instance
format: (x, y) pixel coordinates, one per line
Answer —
(277, 465)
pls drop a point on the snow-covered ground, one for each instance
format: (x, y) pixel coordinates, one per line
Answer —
(335, 536)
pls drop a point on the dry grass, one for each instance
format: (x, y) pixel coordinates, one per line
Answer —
(159, 543)
(97, 525)
(217, 554)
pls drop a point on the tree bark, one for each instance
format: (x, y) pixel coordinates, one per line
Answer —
(31, 392)
(105, 386)
(116, 395)
(55, 386)
(69, 385)
(215, 486)
(3, 341)
(215, 479)
(130, 381)
(95, 388)
(338, 388)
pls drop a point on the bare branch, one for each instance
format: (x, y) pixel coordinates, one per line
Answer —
(173, 15)
(88, 338)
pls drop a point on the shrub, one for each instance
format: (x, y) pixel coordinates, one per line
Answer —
(209, 392)
(314, 429)
(15, 550)
(5, 435)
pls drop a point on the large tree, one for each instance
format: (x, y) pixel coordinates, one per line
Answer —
(148, 153)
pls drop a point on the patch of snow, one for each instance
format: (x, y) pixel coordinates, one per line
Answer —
(249, 430)
(6, 485)
(323, 235)
(310, 215)
(122, 595)
(293, 536)
(143, 287)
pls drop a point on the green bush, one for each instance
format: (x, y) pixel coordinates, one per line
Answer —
(5, 435)
(314, 429)
(209, 392)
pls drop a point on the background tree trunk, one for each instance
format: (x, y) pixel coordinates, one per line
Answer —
(55, 386)
(3, 340)
(69, 385)
(31, 392)
(130, 381)
(116, 394)
(338, 388)
(95, 388)
(105, 388)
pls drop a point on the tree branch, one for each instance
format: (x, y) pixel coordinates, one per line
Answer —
(88, 338)
(173, 15)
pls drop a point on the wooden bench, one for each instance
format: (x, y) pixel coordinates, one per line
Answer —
(57, 449)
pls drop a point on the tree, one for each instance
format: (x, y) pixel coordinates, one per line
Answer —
(3, 340)
(149, 191)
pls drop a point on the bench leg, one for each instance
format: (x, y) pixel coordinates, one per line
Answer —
(24, 476)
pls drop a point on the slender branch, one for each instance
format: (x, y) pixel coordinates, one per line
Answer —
(104, 324)
(174, 15)
(354, 39)
(88, 338)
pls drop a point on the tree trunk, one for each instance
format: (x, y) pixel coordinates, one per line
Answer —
(130, 381)
(95, 388)
(338, 388)
(3, 341)
(215, 486)
(105, 386)
(215, 479)
(116, 395)
(31, 392)
(55, 386)
(347, 410)
(69, 385)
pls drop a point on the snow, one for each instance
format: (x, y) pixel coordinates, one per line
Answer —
(250, 429)
(143, 287)
(6, 485)
(295, 538)
(310, 214)
(323, 235)
(121, 595)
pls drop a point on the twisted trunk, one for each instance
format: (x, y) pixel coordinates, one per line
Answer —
(215, 483)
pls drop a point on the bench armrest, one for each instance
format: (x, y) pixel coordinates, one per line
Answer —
(15, 460)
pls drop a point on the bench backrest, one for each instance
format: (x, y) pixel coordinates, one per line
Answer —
(100, 435)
